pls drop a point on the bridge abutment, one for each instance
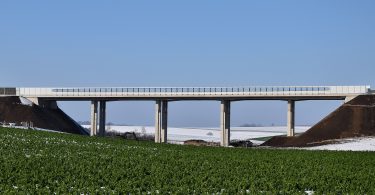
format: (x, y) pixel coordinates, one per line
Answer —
(349, 98)
(225, 123)
(161, 121)
(51, 104)
(291, 118)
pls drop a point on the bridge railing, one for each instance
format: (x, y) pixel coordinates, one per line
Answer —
(192, 91)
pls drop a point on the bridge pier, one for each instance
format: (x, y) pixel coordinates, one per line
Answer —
(290, 118)
(102, 113)
(94, 117)
(161, 121)
(225, 123)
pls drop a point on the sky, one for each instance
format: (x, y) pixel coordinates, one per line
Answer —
(189, 43)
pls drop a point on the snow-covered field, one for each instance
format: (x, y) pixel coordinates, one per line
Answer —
(176, 135)
(352, 144)
(208, 134)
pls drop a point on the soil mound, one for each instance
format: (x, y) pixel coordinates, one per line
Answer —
(197, 142)
(13, 111)
(353, 119)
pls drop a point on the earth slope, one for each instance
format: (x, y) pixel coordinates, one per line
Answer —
(13, 111)
(355, 118)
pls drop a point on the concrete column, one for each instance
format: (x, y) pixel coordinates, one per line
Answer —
(102, 113)
(161, 121)
(157, 121)
(290, 122)
(94, 118)
(164, 121)
(225, 123)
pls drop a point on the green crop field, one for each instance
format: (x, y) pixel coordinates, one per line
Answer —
(35, 162)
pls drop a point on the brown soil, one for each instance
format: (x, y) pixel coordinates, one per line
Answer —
(194, 142)
(12, 111)
(353, 119)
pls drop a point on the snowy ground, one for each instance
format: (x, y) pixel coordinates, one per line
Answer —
(209, 134)
(178, 135)
(352, 144)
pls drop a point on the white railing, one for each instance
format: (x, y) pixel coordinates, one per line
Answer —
(193, 91)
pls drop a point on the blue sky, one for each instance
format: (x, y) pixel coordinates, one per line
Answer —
(189, 43)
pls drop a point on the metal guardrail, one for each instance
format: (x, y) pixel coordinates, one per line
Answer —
(189, 91)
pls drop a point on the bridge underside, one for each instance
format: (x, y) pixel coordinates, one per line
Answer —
(98, 114)
(295, 98)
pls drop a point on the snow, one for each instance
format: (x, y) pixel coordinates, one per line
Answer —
(350, 144)
(210, 134)
(179, 134)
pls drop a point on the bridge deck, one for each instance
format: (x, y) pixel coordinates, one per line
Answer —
(255, 92)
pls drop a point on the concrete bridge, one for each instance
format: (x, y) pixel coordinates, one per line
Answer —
(47, 97)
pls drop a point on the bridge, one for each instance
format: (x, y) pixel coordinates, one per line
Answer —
(47, 97)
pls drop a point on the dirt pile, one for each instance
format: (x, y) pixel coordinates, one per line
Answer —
(197, 142)
(241, 143)
(353, 119)
(13, 111)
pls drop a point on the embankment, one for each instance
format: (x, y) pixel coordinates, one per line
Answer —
(13, 111)
(355, 118)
